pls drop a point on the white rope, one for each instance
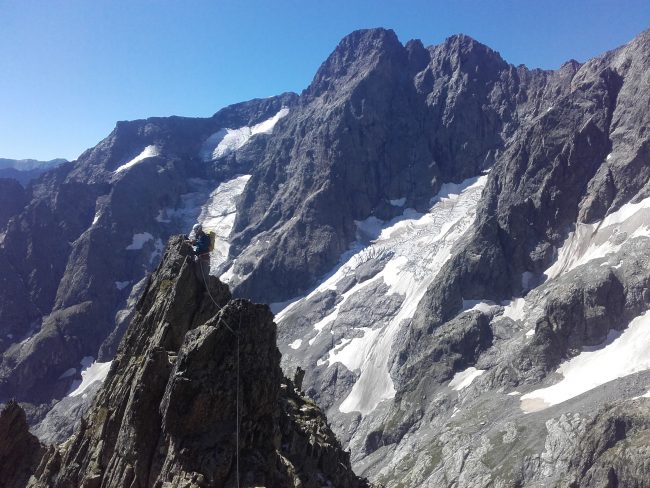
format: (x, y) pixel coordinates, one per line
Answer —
(221, 319)
(237, 413)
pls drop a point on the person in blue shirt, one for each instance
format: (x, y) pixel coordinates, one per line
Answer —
(201, 246)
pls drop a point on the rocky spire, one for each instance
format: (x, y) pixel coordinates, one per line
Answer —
(195, 397)
(20, 451)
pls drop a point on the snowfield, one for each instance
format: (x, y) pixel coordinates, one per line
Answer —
(463, 379)
(218, 215)
(92, 372)
(226, 141)
(597, 240)
(620, 355)
(412, 248)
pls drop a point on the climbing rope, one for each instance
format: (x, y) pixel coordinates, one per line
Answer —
(222, 320)
(237, 413)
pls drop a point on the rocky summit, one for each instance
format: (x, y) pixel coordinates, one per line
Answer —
(195, 397)
(455, 250)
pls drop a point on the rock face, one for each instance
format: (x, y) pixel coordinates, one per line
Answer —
(196, 397)
(20, 451)
(12, 200)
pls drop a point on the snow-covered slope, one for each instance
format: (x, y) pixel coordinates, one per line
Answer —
(392, 263)
(226, 141)
(148, 152)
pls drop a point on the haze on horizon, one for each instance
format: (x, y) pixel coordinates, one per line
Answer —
(72, 69)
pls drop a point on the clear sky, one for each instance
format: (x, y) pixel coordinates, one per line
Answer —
(69, 69)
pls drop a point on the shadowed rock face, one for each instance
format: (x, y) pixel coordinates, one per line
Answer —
(20, 451)
(194, 394)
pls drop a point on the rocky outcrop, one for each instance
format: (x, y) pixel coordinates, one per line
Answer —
(196, 397)
(12, 200)
(20, 451)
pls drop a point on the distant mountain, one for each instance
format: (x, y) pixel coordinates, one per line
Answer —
(25, 170)
(456, 250)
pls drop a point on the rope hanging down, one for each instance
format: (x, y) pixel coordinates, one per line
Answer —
(222, 320)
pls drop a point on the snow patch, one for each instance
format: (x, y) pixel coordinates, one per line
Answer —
(620, 355)
(296, 344)
(399, 202)
(92, 373)
(148, 152)
(484, 306)
(162, 217)
(218, 215)
(463, 379)
(515, 309)
(120, 285)
(226, 141)
(138, 241)
(597, 240)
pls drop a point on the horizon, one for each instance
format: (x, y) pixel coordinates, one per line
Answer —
(75, 69)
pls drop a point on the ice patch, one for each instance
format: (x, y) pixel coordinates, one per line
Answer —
(597, 240)
(465, 378)
(120, 285)
(620, 355)
(93, 372)
(226, 141)
(148, 152)
(138, 241)
(296, 344)
(399, 202)
(514, 393)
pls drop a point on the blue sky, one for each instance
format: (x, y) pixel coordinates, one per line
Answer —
(69, 69)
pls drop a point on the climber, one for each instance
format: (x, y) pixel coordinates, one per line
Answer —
(201, 246)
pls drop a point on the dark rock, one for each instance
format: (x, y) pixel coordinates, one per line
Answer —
(20, 451)
(12, 200)
(196, 397)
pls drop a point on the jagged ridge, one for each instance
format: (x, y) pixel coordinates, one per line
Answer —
(167, 413)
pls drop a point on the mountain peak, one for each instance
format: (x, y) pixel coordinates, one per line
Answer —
(354, 56)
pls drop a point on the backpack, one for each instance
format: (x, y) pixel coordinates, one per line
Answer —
(212, 237)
